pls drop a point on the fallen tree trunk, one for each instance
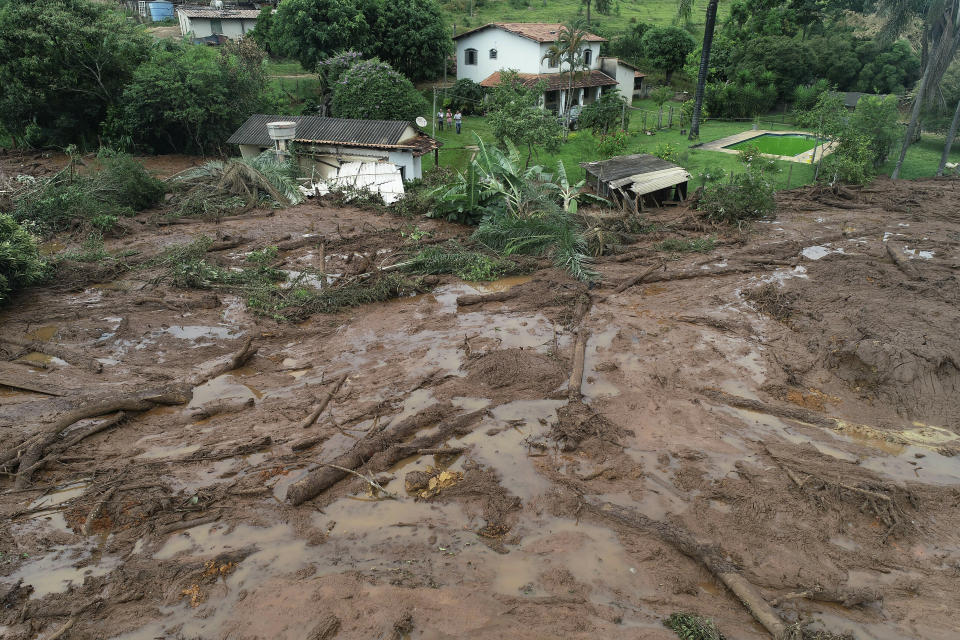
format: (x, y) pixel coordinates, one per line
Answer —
(636, 280)
(384, 449)
(709, 556)
(472, 299)
(237, 360)
(31, 451)
(324, 402)
(579, 359)
(779, 410)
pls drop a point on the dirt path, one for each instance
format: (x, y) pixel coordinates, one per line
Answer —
(789, 401)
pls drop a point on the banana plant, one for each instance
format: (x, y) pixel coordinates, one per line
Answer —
(569, 194)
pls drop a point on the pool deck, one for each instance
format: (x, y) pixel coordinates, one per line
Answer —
(806, 157)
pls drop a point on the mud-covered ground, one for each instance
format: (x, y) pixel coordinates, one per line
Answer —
(791, 398)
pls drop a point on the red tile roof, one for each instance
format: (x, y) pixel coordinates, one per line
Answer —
(556, 81)
(537, 31)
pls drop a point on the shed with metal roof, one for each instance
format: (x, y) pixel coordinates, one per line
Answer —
(638, 181)
(327, 143)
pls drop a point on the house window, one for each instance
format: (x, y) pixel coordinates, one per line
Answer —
(470, 56)
(552, 63)
(493, 54)
(587, 57)
(216, 26)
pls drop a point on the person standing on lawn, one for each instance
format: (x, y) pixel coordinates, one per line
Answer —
(458, 120)
(440, 119)
(449, 118)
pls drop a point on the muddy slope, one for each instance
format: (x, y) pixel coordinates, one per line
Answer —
(788, 402)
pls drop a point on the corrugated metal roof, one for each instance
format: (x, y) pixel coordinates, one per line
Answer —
(649, 182)
(316, 129)
(555, 81)
(221, 14)
(620, 167)
(538, 31)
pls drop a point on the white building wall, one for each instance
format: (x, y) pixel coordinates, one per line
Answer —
(546, 68)
(201, 28)
(513, 52)
(622, 74)
(409, 164)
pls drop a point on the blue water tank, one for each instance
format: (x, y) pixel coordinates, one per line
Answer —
(160, 11)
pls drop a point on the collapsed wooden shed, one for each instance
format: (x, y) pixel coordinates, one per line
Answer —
(638, 181)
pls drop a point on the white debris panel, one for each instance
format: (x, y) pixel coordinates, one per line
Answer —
(376, 177)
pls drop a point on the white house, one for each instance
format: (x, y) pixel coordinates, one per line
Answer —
(324, 145)
(205, 22)
(484, 52)
(629, 78)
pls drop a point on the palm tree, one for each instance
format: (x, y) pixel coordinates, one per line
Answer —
(568, 50)
(704, 63)
(941, 40)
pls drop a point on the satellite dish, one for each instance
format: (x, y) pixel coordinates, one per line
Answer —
(421, 121)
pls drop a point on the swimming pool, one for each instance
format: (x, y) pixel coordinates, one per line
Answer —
(779, 144)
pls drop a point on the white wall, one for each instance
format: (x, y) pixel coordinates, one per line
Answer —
(513, 52)
(546, 68)
(622, 74)
(200, 27)
(411, 165)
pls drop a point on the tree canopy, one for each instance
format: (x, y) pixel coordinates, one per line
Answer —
(372, 89)
(410, 35)
(63, 63)
(190, 98)
(667, 48)
(515, 114)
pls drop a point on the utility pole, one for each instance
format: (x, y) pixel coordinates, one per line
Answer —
(623, 117)
(433, 114)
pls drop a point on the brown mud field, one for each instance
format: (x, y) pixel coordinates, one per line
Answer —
(775, 421)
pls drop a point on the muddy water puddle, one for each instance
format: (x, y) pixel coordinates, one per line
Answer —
(62, 566)
(223, 388)
(43, 334)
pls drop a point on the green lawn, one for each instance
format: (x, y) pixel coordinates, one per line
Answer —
(284, 68)
(659, 12)
(778, 145)
(922, 158)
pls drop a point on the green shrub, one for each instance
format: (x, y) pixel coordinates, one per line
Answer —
(372, 89)
(611, 144)
(120, 188)
(20, 261)
(667, 151)
(741, 99)
(805, 96)
(606, 114)
(748, 197)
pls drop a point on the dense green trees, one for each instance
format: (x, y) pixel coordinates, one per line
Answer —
(63, 63)
(77, 72)
(410, 35)
(20, 261)
(372, 89)
(667, 48)
(190, 98)
(515, 114)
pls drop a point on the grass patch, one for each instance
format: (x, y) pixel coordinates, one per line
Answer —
(693, 245)
(689, 626)
(658, 12)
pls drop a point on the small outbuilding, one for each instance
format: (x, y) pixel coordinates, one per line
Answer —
(638, 181)
(213, 24)
(324, 145)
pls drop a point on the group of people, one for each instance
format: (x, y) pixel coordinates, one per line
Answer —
(452, 118)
